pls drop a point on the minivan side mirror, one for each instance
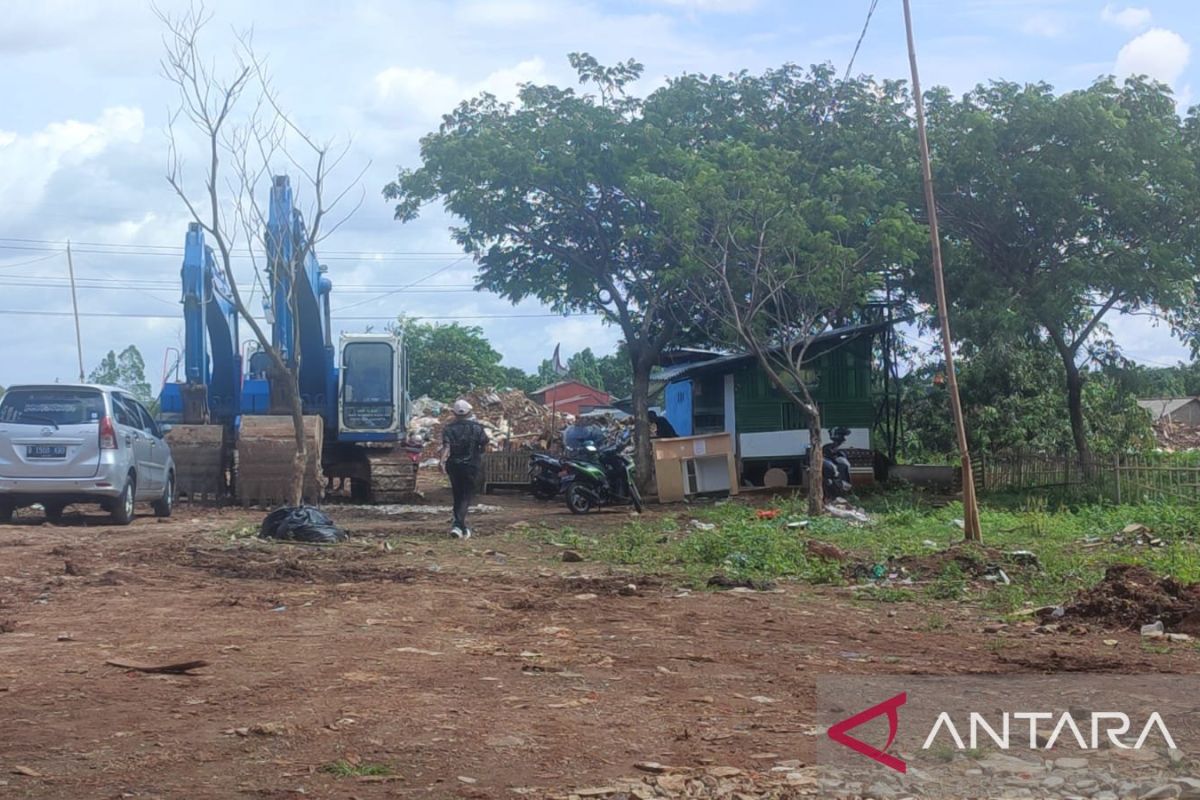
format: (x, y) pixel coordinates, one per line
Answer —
(164, 429)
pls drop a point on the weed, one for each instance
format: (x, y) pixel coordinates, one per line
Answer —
(1158, 649)
(936, 622)
(950, 584)
(346, 769)
(887, 594)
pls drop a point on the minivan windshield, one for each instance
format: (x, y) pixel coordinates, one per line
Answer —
(51, 406)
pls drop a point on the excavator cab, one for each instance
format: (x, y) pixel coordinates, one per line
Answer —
(372, 388)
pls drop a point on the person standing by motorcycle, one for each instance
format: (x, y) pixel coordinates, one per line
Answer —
(663, 429)
(463, 443)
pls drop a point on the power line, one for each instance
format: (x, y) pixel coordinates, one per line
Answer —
(861, 36)
(118, 315)
(118, 284)
(403, 288)
(32, 260)
(133, 249)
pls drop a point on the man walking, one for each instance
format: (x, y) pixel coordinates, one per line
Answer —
(463, 443)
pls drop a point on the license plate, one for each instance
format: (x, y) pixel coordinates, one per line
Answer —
(45, 451)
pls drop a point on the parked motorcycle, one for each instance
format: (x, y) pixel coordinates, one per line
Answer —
(545, 475)
(835, 465)
(603, 477)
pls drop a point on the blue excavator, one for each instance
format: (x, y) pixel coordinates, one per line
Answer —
(230, 426)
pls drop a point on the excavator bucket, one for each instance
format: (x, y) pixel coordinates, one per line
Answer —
(265, 454)
(202, 456)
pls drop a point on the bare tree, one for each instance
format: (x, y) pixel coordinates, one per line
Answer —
(245, 135)
(774, 266)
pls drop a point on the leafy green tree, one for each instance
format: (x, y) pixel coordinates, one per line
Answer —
(544, 189)
(515, 378)
(615, 375)
(446, 360)
(126, 370)
(1012, 399)
(1061, 210)
(585, 368)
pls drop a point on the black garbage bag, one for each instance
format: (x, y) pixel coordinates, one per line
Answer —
(301, 524)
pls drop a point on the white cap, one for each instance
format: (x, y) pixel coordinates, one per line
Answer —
(461, 408)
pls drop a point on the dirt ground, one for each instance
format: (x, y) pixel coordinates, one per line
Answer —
(479, 669)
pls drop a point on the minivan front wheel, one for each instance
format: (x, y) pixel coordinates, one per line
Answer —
(165, 504)
(122, 510)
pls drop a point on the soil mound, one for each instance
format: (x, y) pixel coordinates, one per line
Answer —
(1130, 596)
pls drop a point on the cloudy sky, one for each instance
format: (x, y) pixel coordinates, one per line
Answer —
(82, 144)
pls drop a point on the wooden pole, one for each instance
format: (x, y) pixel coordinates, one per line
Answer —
(75, 312)
(970, 508)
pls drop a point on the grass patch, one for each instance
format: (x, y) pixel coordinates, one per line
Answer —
(345, 769)
(1071, 539)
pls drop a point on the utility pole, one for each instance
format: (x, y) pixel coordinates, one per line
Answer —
(970, 508)
(75, 311)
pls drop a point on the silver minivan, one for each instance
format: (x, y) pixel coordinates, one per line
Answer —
(62, 444)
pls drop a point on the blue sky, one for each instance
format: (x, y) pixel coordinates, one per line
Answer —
(83, 150)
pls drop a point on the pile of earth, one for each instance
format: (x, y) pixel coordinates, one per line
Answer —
(1130, 596)
(971, 562)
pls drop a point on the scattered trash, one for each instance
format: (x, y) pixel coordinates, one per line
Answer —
(28, 772)
(767, 513)
(301, 524)
(798, 523)
(849, 513)
(702, 526)
(1024, 558)
(995, 574)
(931, 544)
(727, 582)
(1153, 630)
(279, 609)
(1136, 535)
(958, 523)
(1178, 637)
(1111, 642)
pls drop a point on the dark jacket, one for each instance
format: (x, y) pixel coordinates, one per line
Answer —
(467, 440)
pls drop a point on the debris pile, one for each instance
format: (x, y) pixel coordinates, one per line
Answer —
(1130, 596)
(511, 418)
(1173, 435)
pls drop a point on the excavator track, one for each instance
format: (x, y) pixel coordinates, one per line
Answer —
(393, 476)
(203, 456)
(265, 454)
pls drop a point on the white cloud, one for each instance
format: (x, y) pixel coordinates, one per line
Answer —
(1159, 53)
(1130, 18)
(428, 94)
(28, 162)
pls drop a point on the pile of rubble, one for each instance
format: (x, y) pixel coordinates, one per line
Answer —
(1177, 436)
(511, 419)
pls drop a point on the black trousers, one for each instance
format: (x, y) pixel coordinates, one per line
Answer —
(462, 484)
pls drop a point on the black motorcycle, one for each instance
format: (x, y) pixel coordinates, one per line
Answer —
(835, 465)
(604, 476)
(545, 475)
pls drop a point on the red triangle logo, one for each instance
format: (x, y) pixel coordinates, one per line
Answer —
(890, 707)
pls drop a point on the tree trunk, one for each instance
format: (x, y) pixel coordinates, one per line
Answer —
(816, 465)
(643, 455)
(1075, 412)
(300, 461)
